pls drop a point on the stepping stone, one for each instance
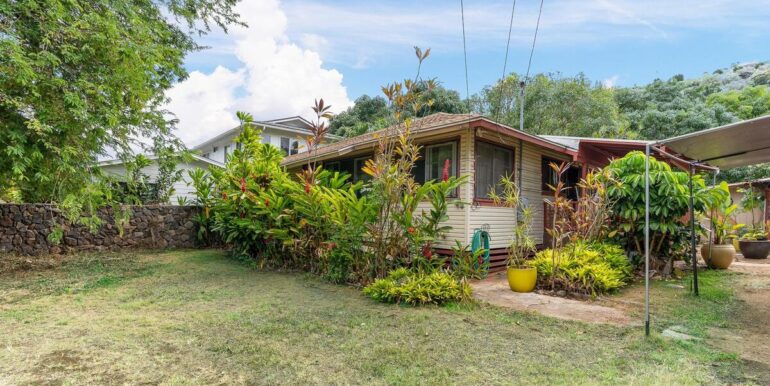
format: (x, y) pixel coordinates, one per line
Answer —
(672, 333)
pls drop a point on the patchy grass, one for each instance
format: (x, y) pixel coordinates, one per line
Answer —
(196, 317)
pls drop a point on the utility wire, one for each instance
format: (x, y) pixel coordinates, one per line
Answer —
(534, 39)
(505, 65)
(465, 57)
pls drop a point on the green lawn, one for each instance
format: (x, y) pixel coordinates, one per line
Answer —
(197, 317)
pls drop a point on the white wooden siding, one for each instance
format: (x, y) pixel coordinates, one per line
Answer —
(499, 221)
(182, 188)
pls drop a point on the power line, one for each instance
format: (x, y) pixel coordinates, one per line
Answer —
(505, 63)
(465, 57)
(534, 39)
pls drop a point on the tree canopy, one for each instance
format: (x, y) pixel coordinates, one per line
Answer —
(554, 104)
(82, 79)
(372, 113)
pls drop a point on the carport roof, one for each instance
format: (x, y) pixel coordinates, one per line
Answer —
(737, 144)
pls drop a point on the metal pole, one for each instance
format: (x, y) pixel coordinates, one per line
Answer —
(521, 105)
(694, 251)
(711, 224)
(647, 240)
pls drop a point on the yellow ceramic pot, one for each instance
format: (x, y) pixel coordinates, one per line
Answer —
(721, 255)
(522, 279)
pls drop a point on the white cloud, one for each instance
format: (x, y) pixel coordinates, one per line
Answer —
(610, 82)
(276, 78)
(365, 32)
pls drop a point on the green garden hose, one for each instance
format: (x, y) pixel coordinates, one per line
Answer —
(481, 241)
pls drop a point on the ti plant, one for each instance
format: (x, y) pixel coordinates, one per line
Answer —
(561, 208)
(522, 245)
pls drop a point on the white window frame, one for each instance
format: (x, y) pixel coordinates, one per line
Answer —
(428, 160)
(288, 149)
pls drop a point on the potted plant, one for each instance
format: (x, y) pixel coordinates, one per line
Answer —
(753, 244)
(521, 278)
(719, 252)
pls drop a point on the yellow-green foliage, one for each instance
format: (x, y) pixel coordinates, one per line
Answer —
(584, 267)
(405, 286)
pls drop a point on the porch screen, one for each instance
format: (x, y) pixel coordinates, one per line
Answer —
(492, 163)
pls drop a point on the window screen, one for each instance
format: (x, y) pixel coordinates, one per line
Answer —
(436, 157)
(492, 163)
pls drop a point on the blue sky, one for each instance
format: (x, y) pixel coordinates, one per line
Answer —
(297, 50)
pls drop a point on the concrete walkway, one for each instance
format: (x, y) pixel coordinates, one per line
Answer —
(494, 290)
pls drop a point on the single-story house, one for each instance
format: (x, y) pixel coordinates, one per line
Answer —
(484, 151)
(289, 134)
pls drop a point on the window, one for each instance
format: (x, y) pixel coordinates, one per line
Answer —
(549, 177)
(492, 163)
(206, 155)
(215, 149)
(358, 174)
(294, 147)
(238, 145)
(436, 157)
(285, 145)
(266, 138)
(227, 150)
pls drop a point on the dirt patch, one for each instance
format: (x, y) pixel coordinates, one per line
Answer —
(494, 290)
(749, 335)
(13, 263)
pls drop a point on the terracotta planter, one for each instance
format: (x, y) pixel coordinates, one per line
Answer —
(522, 279)
(721, 255)
(753, 249)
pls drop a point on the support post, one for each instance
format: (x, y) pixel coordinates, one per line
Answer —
(647, 240)
(694, 251)
(521, 105)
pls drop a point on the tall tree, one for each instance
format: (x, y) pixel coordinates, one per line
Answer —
(83, 78)
(554, 104)
(373, 113)
(367, 114)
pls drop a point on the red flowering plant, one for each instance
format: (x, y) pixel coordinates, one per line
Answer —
(252, 179)
(397, 195)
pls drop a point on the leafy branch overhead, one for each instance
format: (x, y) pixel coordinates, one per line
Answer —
(83, 79)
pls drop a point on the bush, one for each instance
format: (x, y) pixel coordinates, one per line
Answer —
(583, 267)
(468, 264)
(405, 286)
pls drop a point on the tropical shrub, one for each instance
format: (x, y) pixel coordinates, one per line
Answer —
(319, 221)
(583, 267)
(669, 204)
(468, 264)
(403, 285)
(720, 215)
